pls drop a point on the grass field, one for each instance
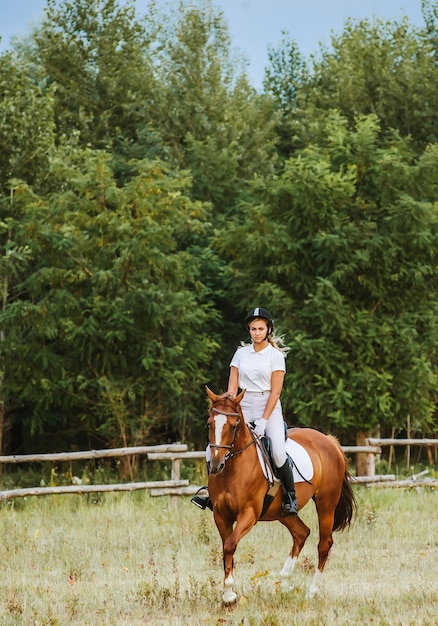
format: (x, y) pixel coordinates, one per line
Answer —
(130, 559)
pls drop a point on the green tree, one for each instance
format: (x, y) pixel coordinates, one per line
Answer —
(164, 86)
(285, 77)
(26, 140)
(214, 124)
(343, 247)
(26, 123)
(106, 328)
(98, 58)
(387, 69)
(211, 120)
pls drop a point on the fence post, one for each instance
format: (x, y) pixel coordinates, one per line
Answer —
(365, 461)
(175, 471)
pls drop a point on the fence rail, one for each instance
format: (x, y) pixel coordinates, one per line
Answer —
(402, 442)
(367, 449)
(93, 454)
(377, 478)
(45, 491)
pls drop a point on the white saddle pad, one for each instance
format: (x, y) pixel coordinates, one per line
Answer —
(303, 468)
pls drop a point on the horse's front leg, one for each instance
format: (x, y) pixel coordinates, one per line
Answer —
(225, 527)
(245, 521)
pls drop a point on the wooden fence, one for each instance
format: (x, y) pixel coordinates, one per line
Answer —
(177, 448)
(431, 446)
(176, 453)
(372, 448)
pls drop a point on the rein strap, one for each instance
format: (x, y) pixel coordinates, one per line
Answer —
(234, 454)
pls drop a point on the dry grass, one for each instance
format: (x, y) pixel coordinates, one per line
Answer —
(130, 559)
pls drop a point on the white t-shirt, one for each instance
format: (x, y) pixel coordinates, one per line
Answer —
(255, 368)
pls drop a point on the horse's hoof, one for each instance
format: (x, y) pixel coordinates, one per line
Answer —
(229, 600)
(229, 605)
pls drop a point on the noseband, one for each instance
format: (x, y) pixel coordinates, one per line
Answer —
(231, 446)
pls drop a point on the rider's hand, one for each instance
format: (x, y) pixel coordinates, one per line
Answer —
(259, 426)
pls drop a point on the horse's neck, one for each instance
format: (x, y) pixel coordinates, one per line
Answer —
(244, 437)
(243, 467)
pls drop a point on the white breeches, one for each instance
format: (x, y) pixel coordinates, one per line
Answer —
(253, 405)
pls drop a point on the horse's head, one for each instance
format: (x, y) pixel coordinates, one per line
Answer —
(224, 422)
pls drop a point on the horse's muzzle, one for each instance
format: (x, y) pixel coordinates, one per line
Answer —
(217, 467)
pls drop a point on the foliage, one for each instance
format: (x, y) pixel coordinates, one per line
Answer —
(210, 118)
(96, 56)
(168, 87)
(163, 86)
(106, 320)
(26, 123)
(346, 239)
(381, 68)
(149, 195)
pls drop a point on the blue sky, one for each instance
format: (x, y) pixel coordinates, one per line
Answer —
(255, 25)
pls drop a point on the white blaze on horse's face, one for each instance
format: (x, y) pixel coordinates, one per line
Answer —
(219, 423)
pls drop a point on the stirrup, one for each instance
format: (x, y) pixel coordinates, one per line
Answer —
(203, 502)
(289, 505)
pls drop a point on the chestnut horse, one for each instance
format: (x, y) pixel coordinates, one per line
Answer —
(237, 488)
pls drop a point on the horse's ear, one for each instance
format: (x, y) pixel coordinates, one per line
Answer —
(213, 397)
(240, 396)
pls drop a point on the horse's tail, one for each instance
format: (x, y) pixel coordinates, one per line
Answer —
(347, 505)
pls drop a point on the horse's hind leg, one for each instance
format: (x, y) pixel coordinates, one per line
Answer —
(324, 547)
(299, 532)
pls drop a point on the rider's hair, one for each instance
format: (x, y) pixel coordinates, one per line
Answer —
(277, 341)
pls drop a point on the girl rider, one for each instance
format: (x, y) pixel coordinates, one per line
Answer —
(259, 367)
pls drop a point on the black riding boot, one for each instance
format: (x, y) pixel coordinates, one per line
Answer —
(203, 502)
(285, 473)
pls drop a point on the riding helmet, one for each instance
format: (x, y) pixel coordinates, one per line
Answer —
(264, 314)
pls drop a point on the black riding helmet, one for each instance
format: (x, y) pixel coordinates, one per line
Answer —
(259, 313)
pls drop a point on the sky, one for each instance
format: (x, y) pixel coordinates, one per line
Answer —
(255, 25)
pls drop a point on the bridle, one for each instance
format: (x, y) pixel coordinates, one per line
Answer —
(230, 454)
